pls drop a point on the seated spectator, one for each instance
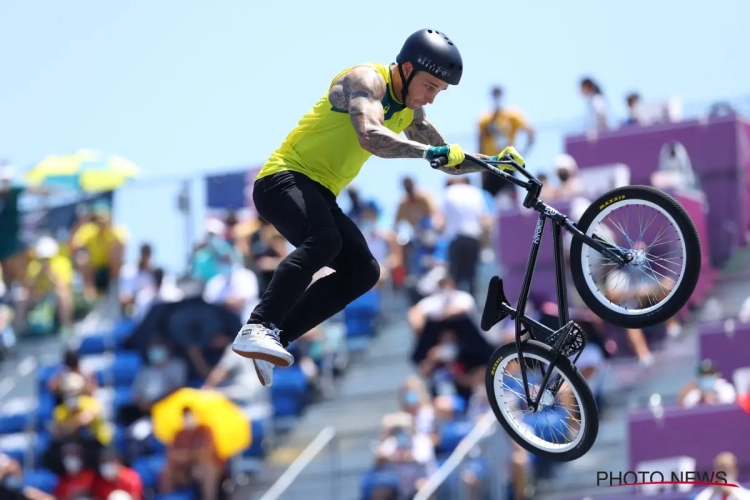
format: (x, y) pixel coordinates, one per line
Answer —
(236, 379)
(115, 477)
(233, 287)
(78, 419)
(71, 364)
(192, 459)
(445, 303)
(162, 289)
(11, 482)
(410, 454)
(438, 366)
(203, 357)
(162, 375)
(134, 278)
(725, 462)
(76, 479)
(382, 243)
(415, 400)
(49, 279)
(709, 388)
(267, 248)
(99, 247)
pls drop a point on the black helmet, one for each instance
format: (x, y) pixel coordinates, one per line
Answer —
(433, 52)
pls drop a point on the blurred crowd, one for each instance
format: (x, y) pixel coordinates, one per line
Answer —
(434, 251)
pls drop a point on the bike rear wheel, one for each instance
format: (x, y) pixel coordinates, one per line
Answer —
(663, 243)
(576, 416)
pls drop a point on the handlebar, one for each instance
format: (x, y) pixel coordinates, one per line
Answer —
(533, 186)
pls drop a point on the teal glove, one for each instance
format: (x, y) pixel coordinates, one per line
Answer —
(454, 153)
(511, 151)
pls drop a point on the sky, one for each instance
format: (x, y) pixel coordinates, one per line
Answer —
(186, 87)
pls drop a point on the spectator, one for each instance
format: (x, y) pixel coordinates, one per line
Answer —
(356, 205)
(135, 278)
(596, 112)
(233, 287)
(205, 260)
(78, 419)
(633, 101)
(267, 248)
(76, 478)
(162, 375)
(567, 172)
(409, 453)
(445, 303)
(13, 255)
(465, 221)
(71, 364)
(725, 462)
(99, 247)
(192, 459)
(709, 388)
(234, 377)
(415, 400)
(161, 289)
(382, 243)
(115, 477)
(438, 366)
(49, 279)
(415, 206)
(7, 316)
(498, 129)
(11, 482)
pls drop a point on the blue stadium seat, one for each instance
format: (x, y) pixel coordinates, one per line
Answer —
(258, 433)
(125, 367)
(123, 329)
(360, 315)
(12, 423)
(93, 344)
(40, 479)
(451, 433)
(149, 468)
(123, 397)
(18, 444)
(45, 409)
(187, 494)
(44, 374)
(286, 406)
(459, 405)
(289, 391)
(378, 478)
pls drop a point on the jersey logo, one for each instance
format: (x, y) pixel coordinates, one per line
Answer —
(386, 108)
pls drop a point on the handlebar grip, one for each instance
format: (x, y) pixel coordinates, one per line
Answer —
(438, 162)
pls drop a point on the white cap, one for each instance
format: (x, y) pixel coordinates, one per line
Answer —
(215, 226)
(46, 247)
(565, 161)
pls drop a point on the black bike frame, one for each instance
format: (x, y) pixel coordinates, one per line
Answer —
(525, 324)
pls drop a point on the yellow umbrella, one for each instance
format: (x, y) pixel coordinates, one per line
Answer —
(86, 170)
(230, 427)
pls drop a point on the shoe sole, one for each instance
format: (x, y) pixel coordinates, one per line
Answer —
(264, 355)
(260, 376)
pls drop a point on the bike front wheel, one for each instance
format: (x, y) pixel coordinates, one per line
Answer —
(566, 423)
(660, 240)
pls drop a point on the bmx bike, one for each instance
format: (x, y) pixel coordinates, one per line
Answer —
(543, 382)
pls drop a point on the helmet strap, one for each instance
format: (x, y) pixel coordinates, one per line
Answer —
(405, 82)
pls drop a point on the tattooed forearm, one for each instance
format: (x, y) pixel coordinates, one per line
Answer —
(423, 131)
(359, 93)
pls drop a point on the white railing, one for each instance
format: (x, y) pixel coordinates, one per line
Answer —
(303, 460)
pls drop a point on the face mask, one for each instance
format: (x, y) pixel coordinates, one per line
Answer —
(449, 351)
(706, 383)
(411, 398)
(403, 439)
(72, 402)
(156, 354)
(563, 175)
(13, 483)
(189, 421)
(72, 464)
(108, 470)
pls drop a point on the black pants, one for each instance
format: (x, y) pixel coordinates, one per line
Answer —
(463, 259)
(306, 214)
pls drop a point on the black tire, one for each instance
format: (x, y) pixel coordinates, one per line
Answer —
(684, 223)
(589, 411)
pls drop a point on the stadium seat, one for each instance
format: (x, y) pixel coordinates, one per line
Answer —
(378, 479)
(44, 374)
(451, 433)
(122, 330)
(123, 396)
(360, 315)
(18, 444)
(92, 344)
(45, 409)
(258, 434)
(289, 391)
(149, 468)
(125, 367)
(40, 479)
(177, 495)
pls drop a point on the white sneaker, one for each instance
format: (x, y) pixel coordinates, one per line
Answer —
(264, 370)
(258, 342)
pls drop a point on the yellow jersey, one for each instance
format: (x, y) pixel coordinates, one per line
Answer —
(324, 146)
(498, 130)
(61, 267)
(98, 242)
(99, 427)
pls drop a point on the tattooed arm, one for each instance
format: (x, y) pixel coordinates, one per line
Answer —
(423, 131)
(359, 92)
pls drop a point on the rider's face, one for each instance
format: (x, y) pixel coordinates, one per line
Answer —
(423, 90)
